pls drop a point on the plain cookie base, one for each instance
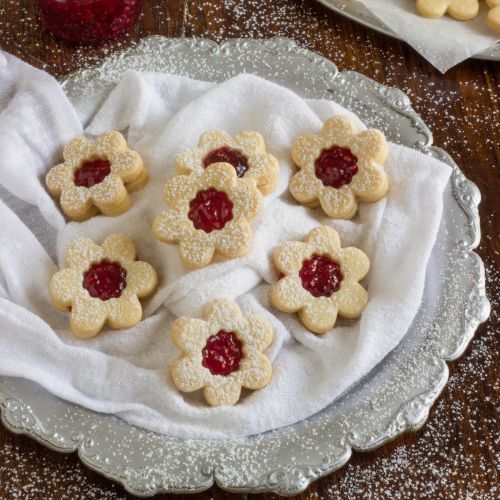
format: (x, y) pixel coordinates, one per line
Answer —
(117, 209)
(93, 211)
(424, 9)
(87, 334)
(139, 182)
(493, 18)
(270, 184)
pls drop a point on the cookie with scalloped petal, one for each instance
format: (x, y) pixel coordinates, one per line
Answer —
(463, 10)
(493, 18)
(221, 353)
(209, 213)
(246, 152)
(319, 279)
(339, 168)
(102, 284)
(96, 177)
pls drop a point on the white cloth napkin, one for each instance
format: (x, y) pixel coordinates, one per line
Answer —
(443, 42)
(126, 372)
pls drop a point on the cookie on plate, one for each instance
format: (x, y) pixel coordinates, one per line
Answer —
(493, 18)
(102, 284)
(319, 279)
(462, 10)
(208, 214)
(339, 167)
(96, 176)
(246, 152)
(221, 353)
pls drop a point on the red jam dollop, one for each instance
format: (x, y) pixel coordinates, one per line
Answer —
(105, 280)
(210, 210)
(222, 353)
(89, 21)
(320, 275)
(226, 154)
(92, 172)
(335, 166)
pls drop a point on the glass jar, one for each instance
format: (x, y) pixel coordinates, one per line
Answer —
(89, 21)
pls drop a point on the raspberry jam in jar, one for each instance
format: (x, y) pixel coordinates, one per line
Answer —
(89, 21)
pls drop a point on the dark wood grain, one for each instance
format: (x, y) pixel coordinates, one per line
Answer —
(453, 456)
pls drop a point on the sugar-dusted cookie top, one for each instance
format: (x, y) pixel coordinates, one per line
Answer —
(246, 152)
(339, 167)
(462, 10)
(221, 353)
(96, 176)
(209, 212)
(102, 284)
(319, 279)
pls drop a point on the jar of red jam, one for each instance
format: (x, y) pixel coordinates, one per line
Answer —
(89, 21)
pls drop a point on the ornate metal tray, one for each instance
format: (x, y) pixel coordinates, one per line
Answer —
(359, 13)
(394, 398)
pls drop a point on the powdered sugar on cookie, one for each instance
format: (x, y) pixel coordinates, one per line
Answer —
(102, 284)
(339, 167)
(209, 213)
(320, 279)
(221, 353)
(96, 176)
(246, 152)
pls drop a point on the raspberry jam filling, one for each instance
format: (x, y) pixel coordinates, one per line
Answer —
(92, 172)
(210, 209)
(222, 353)
(335, 166)
(89, 21)
(227, 155)
(320, 275)
(105, 280)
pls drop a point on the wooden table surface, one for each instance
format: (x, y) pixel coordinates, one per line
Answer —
(454, 454)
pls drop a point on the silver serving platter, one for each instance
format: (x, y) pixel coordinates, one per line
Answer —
(394, 398)
(359, 13)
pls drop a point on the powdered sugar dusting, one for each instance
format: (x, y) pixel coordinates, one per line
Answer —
(439, 462)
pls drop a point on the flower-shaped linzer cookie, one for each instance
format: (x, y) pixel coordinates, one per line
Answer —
(221, 353)
(102, 283)
(493, 18)
(246, 152)
(339, 167)
(459, 9)
(320, 279)
(96, 176)
(209, 213)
